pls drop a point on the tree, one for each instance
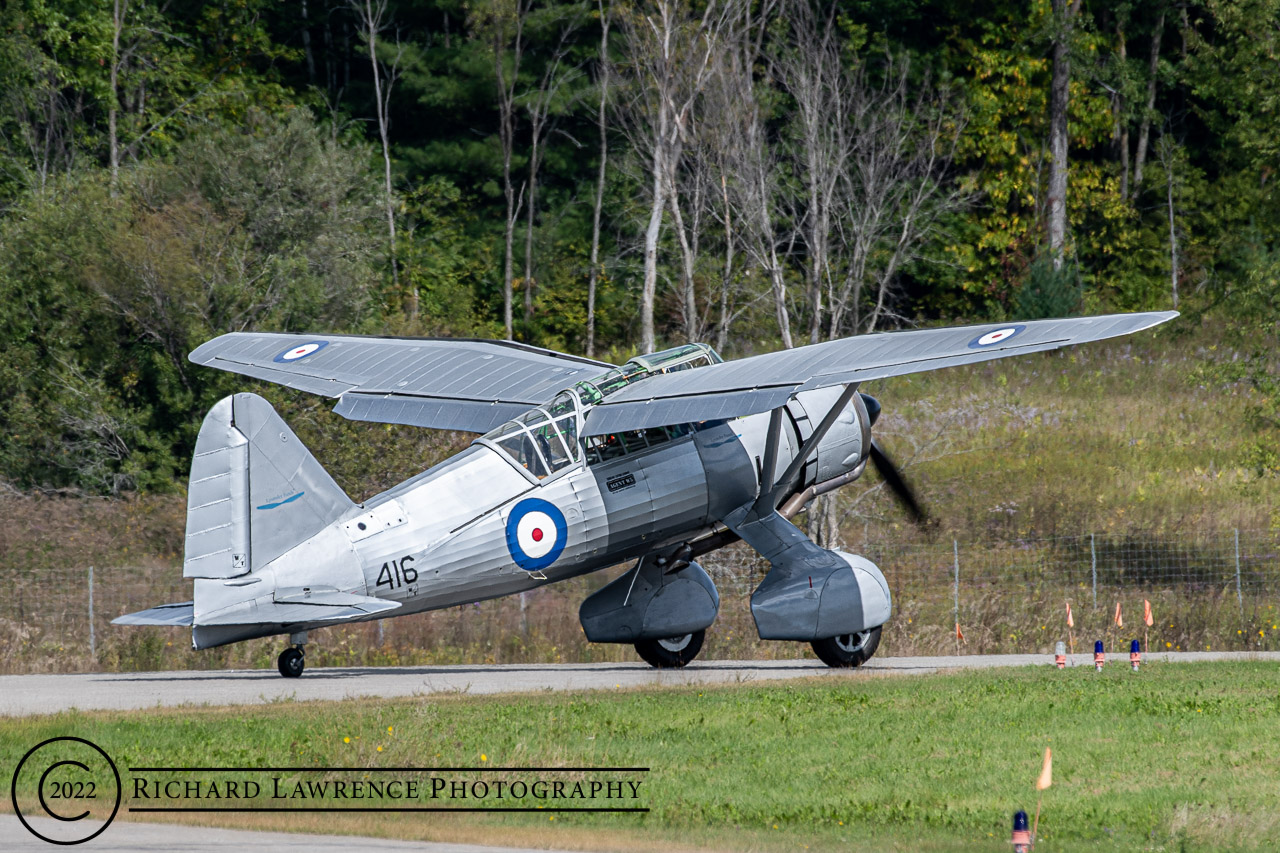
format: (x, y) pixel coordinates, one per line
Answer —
(1064, 15)
(372, 21)
(543, 105)
(811, 71)
(897, 191)
(593, 273)
(666, 63)
(501, 24)
(269, 226)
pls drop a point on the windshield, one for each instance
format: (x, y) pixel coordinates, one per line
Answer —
(542, 441)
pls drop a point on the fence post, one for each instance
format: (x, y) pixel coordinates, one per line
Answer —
(955, 547)
(93, 645)
(1239, 594)
(1093, 559)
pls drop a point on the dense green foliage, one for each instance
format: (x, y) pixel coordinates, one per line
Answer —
(1175, 756)
(172, 171)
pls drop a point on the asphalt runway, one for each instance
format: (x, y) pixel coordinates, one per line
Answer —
(126, 836)
(23, 695)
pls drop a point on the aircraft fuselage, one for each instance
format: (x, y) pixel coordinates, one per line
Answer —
(480, 525)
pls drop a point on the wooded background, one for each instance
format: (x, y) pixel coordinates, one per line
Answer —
(605, 178)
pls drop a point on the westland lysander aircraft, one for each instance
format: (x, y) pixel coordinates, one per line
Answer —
(580, 465)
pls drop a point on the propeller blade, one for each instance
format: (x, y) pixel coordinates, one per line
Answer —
(873, 408)
(896, 482)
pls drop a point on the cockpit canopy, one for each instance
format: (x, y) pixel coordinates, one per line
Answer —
(671, 360)
(545, 439)
(542, 440)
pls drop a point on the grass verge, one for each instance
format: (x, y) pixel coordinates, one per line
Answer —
(1173, 757)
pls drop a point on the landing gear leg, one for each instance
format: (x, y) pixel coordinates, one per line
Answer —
(292, 660)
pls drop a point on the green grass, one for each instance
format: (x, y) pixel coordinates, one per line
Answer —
(1173, 757)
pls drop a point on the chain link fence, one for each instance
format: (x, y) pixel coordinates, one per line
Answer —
(1214, 591)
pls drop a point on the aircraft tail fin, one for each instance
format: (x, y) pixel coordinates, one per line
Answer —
(255, 491)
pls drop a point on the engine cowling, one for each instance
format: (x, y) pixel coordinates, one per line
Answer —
(847, 442)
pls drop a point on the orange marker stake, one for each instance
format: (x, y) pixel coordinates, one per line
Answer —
(1071, 623)
(1146, 618)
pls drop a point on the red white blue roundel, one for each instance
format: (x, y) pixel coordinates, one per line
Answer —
(300, 351)
(995, 336)
(536, 534)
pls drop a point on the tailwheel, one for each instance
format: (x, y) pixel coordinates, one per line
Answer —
(291, 662)
(671, 652)
(848, 650)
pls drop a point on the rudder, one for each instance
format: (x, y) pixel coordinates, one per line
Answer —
(255, 491)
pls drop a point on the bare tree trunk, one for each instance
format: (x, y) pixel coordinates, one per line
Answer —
(534, 154)
(722, 329)
(593, 277)
(1121, 120)
(1144, 127)
(119, 10)
(306, 45)
(1166, 160)
(649, 292)
(824, 523)
(541, 120)
(506, 133)
(373, 24)
(669, 52)
(809, 68)
(688, 253)
(1064, 13)
(776, 279)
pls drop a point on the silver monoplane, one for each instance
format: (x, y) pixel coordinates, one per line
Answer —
(580, 465)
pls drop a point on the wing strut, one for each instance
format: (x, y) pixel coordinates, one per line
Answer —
(768, 500)
(770, 463)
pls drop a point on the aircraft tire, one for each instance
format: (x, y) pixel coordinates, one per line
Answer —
(849, 650)
(290, 663)
(671, 652)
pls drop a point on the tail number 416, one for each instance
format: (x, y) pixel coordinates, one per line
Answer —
(397, 573)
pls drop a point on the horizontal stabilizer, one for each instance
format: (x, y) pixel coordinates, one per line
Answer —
(292, 606)
(166, 614)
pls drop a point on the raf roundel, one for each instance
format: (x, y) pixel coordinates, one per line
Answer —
(301, 351)
(536, 534)
(995, 336)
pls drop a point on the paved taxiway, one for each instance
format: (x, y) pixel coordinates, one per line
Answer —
(124, 836)
(22, 695)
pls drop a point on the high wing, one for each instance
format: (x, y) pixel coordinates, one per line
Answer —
(764, 382)
(441, 383)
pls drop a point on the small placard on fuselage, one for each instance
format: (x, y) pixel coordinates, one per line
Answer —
(622, 481)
